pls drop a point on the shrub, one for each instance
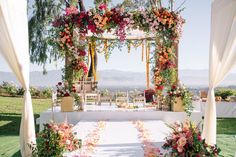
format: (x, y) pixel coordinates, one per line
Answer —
(9, 88)
(34, 92)
(224, 93)
(20, 91)
(46, 92)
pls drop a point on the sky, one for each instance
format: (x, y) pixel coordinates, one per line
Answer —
(193, 47)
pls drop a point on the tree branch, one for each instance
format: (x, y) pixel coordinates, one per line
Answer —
(81, 5)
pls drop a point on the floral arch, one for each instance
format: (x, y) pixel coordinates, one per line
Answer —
(158, 31)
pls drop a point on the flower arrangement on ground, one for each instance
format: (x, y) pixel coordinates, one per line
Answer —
(66, 90)
(55, 139)
(149, 95)
(180, 91)
(186, 141)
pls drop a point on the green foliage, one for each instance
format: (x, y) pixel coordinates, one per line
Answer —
(130, 5)
(54, 140)
(8, 88)
(169, 75)
(34, 92)
(187, 102)
(182, 92)
(48, 148)
(43, 11)
(20, 91)
(46, 92)
(224, 92)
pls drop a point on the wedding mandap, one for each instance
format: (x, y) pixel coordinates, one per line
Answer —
(78, 36)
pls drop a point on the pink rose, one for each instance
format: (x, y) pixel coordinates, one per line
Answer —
(180, 149)
(182, 141)
(102, 6)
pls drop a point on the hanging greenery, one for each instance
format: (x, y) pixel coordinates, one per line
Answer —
(41, 14)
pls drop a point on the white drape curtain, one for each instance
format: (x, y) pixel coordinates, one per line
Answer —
(14, 48)
(222, 57)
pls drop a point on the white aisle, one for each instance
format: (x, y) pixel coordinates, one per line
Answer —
(121, 138)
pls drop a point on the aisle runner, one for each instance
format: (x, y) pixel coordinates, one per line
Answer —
(119, 139)
(92, 139)
(89, 132)
(150, 150)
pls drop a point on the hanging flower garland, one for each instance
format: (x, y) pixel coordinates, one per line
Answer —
(164, 23)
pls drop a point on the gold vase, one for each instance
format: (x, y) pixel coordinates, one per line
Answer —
(178, 105)
(67, 104)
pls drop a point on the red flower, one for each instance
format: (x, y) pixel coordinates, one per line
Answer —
(92, 28)
(82, 52)
(159, 87)
(102, 6)
(174, 87)
(199, 137)
(67, 94)
(82, 15)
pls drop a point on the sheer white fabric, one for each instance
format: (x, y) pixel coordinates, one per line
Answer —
(222, 57)
(15, 49)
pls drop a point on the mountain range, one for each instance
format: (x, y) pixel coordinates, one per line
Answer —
(117, 79)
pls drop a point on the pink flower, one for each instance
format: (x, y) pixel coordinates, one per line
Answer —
(181, 142)
(199, 137)
(71, 10)
(180, 149)
(102, 6)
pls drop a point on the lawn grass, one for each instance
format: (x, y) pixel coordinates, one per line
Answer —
(10, 116)
(226, 136)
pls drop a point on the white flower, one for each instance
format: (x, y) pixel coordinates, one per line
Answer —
(90, 14)
(68, 142)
